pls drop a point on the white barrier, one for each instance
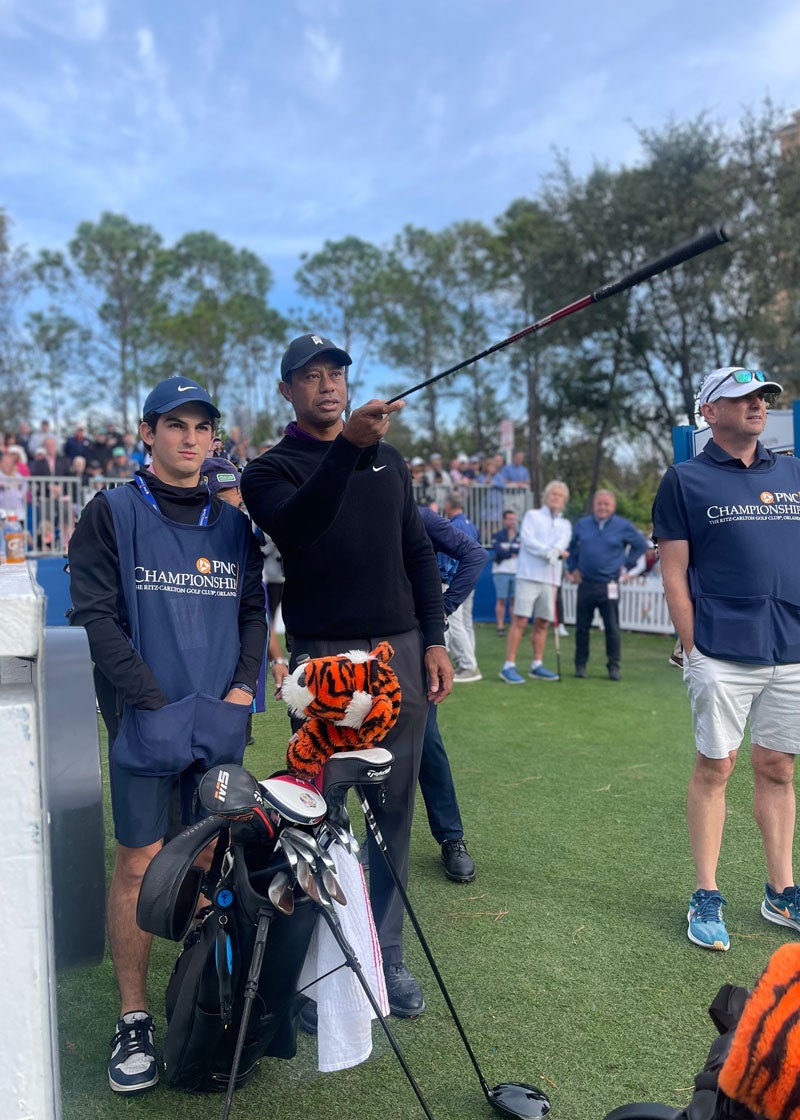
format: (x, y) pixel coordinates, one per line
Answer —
(642, 607)
(29, 1073)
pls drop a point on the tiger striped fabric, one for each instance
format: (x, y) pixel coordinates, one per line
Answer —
(762, 1070)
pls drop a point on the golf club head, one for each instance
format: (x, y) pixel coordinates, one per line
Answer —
(290, 853)
(306, 880)
(297, 801)
(332, 886)
(515, 1098)
(304, 844)
(280, 893)
(229, 791)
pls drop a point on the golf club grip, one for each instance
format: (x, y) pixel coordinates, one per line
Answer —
(700, 244)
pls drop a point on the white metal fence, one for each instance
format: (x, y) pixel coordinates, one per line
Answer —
(49, 508)
(642, 606)
(52, 507)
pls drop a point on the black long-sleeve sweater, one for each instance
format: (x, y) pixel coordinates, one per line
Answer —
(96, 591)
(357, 560)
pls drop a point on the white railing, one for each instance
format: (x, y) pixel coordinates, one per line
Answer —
(483, 505)
(642, 606)
(52, 506)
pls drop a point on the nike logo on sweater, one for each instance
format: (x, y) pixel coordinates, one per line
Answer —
(383, 468)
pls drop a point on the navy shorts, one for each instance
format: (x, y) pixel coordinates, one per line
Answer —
(140, 803)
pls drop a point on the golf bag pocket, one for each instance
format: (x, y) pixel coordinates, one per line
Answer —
(219, 731)
(156, 743)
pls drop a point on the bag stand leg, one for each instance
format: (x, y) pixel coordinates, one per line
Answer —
(265, 916)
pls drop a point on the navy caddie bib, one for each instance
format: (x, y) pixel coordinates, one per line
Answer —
(182, 586)
(744, 561)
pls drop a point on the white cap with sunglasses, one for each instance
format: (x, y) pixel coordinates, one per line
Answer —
(733, 381)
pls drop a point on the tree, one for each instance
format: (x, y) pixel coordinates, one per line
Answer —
(60, 360)
(114, 275)
(15, 282)
(339, 281)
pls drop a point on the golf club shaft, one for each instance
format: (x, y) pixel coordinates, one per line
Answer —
(700, 244)
(556, 624)
(379, 840)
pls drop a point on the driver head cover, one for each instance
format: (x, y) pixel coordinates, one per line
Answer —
(348, 701)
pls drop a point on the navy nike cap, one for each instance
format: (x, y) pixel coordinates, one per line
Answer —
(175, 391)
(301, 350)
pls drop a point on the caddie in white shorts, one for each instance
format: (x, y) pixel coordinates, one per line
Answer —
(727, 522)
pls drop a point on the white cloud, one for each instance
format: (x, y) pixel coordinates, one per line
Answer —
(91, 18)
(210, 42)
(325, 63)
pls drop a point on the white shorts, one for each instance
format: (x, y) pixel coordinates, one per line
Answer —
(724, 693)
(533, 598)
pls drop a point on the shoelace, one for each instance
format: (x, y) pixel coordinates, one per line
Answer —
(134, 1038)
(709, 907)
(456, 846)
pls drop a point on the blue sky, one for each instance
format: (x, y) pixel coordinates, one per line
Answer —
(279, 124)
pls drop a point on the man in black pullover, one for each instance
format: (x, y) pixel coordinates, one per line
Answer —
(359, 568)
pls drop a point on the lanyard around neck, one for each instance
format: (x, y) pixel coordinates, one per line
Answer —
(147, 494)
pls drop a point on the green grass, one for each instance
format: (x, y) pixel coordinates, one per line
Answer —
(567, 958)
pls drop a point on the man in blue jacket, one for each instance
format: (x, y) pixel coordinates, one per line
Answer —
(461, 560)
(727, 528)
(603, 549)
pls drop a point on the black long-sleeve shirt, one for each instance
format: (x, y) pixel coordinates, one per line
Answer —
(97, 598)
(357, 559)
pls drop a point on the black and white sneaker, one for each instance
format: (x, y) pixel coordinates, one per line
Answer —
(133, 1065)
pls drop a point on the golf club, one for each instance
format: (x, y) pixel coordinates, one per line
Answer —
(512, 1098)
(700, 244)
(556, 624)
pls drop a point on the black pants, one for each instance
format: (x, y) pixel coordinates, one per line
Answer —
(590, 595)
(393, 802)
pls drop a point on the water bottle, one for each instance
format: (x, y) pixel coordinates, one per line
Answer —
(15, 541)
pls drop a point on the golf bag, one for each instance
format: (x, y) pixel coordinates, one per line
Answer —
(708, 1100)
(205, 993)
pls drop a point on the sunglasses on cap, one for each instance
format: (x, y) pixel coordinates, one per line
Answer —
(743, 377)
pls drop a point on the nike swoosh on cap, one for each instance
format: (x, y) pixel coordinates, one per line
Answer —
(183, 388)
(383, 468)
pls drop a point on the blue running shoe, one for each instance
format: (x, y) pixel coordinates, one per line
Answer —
(511, 676)
(706, 927)
(542, 674)
(782, 908)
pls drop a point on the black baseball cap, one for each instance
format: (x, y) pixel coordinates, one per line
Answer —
(175, 391)
(309, 346)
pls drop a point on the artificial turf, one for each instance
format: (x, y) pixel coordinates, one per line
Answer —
(567, 958)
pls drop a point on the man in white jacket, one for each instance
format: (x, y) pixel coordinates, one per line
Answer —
(544, 538)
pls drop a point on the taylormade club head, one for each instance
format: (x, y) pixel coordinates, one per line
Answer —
(514, 1098)
(280, 893)
(333, 887)
(230, 791)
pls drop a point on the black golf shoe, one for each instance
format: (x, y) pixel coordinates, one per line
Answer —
(457, 861)
(580, 670)
(614, 674)
(307, 1017)
(406, 1000)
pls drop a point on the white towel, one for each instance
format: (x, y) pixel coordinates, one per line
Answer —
(344, 1014)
